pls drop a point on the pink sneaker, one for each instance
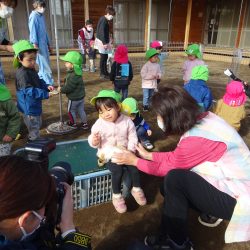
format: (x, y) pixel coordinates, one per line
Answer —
(119, 204)
(139, 197)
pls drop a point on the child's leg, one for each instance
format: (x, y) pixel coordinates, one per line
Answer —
(151, 92)
(81, 112)
(142, 134)
(117, 89)
(116, 172)
(124, 93)
(72, 112)
(117, 199)
(145, 97)
(33, 124)
(136, 191)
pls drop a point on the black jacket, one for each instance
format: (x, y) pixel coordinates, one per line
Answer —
(116, 77)
(102, 30)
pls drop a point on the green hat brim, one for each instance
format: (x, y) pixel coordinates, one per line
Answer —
(106, 94)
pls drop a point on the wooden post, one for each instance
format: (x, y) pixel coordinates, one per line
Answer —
(86, 10)
(243, 9)
(147, 24)
(188, 21)
(10, 29)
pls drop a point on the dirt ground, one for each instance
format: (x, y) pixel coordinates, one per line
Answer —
(110, 230)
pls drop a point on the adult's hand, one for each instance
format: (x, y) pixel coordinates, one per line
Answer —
(67, 223)
(6, 48)
(143, 152)
(125, 158)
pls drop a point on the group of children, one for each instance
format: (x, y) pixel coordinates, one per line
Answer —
(120, 123)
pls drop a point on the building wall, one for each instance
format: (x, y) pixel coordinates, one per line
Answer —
(77, 9)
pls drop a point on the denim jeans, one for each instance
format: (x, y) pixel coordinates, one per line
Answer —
(74, 108)
(33, 124)
(147, 94)
(142, 134)
(124, 92)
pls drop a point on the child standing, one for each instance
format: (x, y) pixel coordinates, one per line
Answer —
(10, 121)
(115, 129)
(194, 59)
(74, 88)
(121, 71)
(198, 88)
(143, 131)
(150, 73)
(161, 55)
(31, 90)
(231, 106)
(86, 40)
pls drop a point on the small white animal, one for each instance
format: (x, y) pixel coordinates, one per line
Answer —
(106, 154)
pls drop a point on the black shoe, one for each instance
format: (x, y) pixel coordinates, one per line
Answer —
(160, 242)
(145, 108)
(209, 220)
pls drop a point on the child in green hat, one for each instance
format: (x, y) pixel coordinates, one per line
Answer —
(150, 73)
(198, 88)
(111, 132)
(194, 59)
(143, 131)
(74, 88)
(30, 89)
(10, 121)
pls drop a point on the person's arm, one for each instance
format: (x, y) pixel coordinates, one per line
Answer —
(37, 93)
(207, 100)
(14, 121)
(131, 75)
(94, 139)
(69, 86)
(146, 126)
(33, 30)
(190, 152)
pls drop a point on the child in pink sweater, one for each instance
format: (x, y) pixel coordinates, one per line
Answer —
(194, 59)
(150, 73)
(115, 130)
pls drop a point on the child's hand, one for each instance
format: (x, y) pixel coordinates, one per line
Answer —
(7, 138)
(149, 132)
(51, 88)
(96, 139)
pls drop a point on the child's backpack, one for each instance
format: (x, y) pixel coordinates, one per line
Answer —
(122, 75)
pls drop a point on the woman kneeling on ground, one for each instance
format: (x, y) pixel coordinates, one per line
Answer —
(219, 181)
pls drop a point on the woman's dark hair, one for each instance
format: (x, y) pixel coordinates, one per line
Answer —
(177, 108)
(10, 3)
(106, 102)
(24, 186)
(22, 54)
(110, 10)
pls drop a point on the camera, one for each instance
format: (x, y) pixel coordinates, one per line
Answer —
(38, 151)
(61, 171)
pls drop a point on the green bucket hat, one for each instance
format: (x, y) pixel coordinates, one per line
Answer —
(151, 52)
(75, 58)
(129, 106)
(21, 46)
(107, 93)
(200, 72)
(194, 49)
